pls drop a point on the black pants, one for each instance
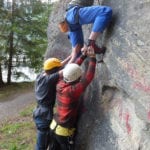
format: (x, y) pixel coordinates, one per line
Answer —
(62, 142)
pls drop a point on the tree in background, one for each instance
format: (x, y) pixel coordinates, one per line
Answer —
(23, 25)
(2, 41)
(1, 78)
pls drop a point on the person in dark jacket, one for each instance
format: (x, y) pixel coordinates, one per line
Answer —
(81, 12)
(45, 93)
(68, 92)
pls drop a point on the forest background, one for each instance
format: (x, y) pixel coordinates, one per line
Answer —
(23, 42)
(23, 37)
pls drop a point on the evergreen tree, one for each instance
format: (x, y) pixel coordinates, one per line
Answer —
(23, 36)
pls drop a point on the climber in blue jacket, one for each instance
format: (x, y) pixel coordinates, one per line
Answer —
(80, 12)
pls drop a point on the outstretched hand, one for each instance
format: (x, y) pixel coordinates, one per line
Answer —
(84, 50)
(90, 52)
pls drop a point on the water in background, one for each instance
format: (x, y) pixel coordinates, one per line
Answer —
(29, 75)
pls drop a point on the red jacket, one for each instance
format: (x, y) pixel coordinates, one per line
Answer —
(67, 96)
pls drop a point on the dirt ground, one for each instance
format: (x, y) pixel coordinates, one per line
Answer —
(11, 107)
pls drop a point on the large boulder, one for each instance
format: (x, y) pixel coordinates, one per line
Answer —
(117, 102)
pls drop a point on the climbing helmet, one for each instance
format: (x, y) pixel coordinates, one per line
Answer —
(72, 72)
(51, 63)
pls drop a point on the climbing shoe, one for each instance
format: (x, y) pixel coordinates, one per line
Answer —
(97, 49)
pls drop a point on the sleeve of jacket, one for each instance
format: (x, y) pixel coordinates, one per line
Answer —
(87, 76)
(53, 78)
(80, 60)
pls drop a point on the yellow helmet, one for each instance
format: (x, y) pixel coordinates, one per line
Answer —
(51, 63)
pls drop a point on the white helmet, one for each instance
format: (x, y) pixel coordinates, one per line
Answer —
(72, 72)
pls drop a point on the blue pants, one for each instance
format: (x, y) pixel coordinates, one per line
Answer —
(99, 16)
(42, 116)
(43, 133)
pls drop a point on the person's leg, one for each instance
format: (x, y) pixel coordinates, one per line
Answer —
(100, 16)
(101, 21)
(53, 144)
(94, 35)
(64, 142)
(42, 139)
(43, 134)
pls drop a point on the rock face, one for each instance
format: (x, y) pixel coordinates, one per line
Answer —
(117, 102)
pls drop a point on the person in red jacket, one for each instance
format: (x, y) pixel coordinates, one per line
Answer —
(68, 92)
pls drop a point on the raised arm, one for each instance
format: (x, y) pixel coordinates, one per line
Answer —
(65, 61)
(80, 59)
(90, 72)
